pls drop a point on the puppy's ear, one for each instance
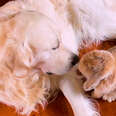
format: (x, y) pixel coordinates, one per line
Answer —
(16, 59)
(96, 66)
(25, 54)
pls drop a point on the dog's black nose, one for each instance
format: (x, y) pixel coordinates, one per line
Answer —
(49, 73)
(75, 59)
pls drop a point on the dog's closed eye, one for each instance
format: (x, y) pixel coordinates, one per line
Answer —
(57, 45)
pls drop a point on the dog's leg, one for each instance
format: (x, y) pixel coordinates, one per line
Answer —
(72, 90)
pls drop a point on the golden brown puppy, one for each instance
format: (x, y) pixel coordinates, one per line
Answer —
(96, 66)
(99, 69)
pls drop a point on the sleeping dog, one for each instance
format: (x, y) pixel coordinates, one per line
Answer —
(39, 43)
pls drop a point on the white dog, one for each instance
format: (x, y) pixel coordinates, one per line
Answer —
(44, 36)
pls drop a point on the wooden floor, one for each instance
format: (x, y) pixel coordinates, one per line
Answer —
(60, 106)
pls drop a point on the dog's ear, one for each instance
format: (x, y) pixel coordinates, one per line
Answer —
(17, 87)
(16, 59)
(24, 55)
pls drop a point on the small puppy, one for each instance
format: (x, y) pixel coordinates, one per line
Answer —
(99, 68)
(32, 45)
(45, 35)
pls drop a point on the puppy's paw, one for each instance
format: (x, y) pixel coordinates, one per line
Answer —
(96, 94)
(105, 87)
(96, 66)
(89, 85)
(110, 97)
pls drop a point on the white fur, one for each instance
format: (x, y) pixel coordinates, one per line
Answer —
(72, 90)
(80, 20)
(94, 20)
(75, 22)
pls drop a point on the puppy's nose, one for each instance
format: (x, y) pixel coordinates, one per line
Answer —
(49, 73)
(75, 59)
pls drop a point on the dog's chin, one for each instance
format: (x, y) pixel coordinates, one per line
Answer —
(56, 72)
(59, 72)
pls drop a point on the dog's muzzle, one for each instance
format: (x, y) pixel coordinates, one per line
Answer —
(75, 60)
(49, 73)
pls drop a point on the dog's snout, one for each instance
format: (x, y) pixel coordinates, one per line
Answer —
(75, 59)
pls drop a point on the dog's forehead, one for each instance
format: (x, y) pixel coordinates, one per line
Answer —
(38, 29)
(69, 40)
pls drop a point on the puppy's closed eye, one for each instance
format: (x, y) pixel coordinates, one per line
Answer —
(57, 45)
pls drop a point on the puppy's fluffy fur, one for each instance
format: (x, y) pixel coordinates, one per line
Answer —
(44, 35)
(99, 68)
(95, 66)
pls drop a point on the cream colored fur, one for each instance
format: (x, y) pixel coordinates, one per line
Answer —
(30, 30)
(98, 67)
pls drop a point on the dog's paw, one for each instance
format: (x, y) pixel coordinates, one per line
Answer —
(110, 97)
(90, 84)
(96, 66)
